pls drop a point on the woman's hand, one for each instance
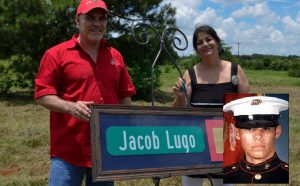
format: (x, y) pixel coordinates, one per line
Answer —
(179, 88)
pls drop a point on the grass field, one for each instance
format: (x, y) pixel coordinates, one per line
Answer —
(24, 131)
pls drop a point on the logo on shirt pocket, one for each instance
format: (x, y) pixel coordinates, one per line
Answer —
(112, 61)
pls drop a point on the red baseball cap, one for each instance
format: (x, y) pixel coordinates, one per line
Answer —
(87, 5)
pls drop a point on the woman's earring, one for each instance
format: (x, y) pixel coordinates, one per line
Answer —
(220, 50)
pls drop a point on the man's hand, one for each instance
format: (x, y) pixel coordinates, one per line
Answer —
(81, 110)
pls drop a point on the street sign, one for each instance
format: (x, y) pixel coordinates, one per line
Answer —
(135, 141)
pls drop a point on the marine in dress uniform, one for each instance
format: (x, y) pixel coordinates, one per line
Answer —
(257, 113)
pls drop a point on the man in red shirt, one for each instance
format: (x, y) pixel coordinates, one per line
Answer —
(72, 75)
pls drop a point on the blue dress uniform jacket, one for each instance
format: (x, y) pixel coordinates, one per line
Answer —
(271, 171)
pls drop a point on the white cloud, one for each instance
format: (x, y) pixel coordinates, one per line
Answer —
(229, 22)
(227, 25)
(260, 10)
(291, 25)
(278, 1)
(190, 3)
(276, 36)
(227, 2)
(185, 8)
(221, 33)
(255, 35)
(261, 34)
(208, 16)
(186, 11)
(298, 18)
(188, 16)
(253, 11)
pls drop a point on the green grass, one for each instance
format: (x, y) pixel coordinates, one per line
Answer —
(24, 139)
(271, 78)
(257, 78)
(24, 130)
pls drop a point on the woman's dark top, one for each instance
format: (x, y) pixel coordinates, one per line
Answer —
(211, 95)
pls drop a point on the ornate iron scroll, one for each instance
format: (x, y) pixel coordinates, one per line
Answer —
(144, 38)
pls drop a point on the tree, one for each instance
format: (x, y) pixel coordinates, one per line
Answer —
(140, 57)
(28, 28)
(227, 55)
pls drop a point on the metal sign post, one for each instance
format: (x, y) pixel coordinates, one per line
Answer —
(146, 36)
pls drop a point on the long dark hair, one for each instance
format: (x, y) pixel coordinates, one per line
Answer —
(209, 30)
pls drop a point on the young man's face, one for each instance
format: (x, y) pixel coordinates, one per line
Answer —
(258, 143)
(92, 25)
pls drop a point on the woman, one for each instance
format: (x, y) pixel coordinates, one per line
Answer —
(208, 81)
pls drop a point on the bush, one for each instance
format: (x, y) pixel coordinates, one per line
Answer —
(294, 69)
(24, 69)
(142, 80)
(245, 64)
(257, 65)
(6, 80)
(279, 65)
(188, 62)
(2, 68)
(266, 63)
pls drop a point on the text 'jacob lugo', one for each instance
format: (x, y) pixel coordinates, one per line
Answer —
(137, 140)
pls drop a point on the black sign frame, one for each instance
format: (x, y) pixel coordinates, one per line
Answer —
(99, 174)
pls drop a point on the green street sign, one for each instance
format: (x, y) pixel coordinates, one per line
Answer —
(143, 140)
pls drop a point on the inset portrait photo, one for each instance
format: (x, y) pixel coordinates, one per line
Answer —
(256, 138)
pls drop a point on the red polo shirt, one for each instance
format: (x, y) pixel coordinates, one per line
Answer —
(67, 71)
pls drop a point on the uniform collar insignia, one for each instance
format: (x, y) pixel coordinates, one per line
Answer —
(267, 166)
(262, 167)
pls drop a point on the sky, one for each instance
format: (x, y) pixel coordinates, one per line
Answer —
(260, 26)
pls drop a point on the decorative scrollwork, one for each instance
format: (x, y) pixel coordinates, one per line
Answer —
(144, 38)
(148, 32)
(176, 38)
